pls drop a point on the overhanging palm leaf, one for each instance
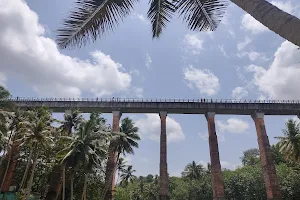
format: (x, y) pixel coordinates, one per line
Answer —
(92, 18)
(160, 13)
(202, 15)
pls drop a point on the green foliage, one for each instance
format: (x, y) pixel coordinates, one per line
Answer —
(244, 183)
(91, 18)
(193, 171)
(250, 157)
(290, 143)
(127, 175)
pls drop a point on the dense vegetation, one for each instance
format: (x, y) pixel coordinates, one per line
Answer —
(45, 157)
(48, 158)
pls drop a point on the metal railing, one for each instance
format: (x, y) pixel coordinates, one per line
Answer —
(147, 100)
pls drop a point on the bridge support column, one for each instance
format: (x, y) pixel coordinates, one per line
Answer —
(216, 172)
(112, 160)
(266, 158)
(163, 166)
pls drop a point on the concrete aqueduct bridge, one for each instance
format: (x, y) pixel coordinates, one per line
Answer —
(208, 107)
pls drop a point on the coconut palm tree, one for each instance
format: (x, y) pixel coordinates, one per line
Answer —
(151, 191)
(290, 143)
(71, 120)
(193, 171)
(37, 135)
(12, 147)
(4, 95)
(94, 18)
(87, 148)
(127, 176)
(5, 114)
(121, 165)
(121, 143)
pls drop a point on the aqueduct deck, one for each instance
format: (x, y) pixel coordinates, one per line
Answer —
(172, 106)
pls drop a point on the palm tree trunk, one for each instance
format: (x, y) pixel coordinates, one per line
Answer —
(26, 170)
(54, 184)
(84, 187)
(64, 182)
(6, 170)
(6, 149)
(280, 22)
(110, 173)
(13, 160)
(30, 182)
(72, 186)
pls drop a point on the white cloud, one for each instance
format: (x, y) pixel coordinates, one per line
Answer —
(221, 48)
(281, 79)
(192, 43)
(231, 32)
(251, 24)
(253, 56)
(135, 72)
(148, 61)
(27, 54)
(228, 165)
(3, 80)
(243, 44)
(204, 80)
(140, 17)
(203, 136)
(232, 125)
(239, 93)
(150, 128)
(138, 92)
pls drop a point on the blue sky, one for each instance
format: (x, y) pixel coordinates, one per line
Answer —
(241, 60)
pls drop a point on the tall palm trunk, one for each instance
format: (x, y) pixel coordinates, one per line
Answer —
(72, 185)
(26, 169)
(110, 174)
(280, 22)
(64, 182)
(30, 182)
(54, 184)
(84, 187)
(6, 170)
(13, 157)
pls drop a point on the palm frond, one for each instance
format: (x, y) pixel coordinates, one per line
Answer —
(90, 19)
(160, 13)
(202, 15)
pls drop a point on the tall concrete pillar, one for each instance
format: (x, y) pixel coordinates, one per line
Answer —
(266, 158)
(163, 166)
(112, 160)
(216, 172)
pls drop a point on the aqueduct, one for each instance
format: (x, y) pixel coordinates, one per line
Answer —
(208, 107)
